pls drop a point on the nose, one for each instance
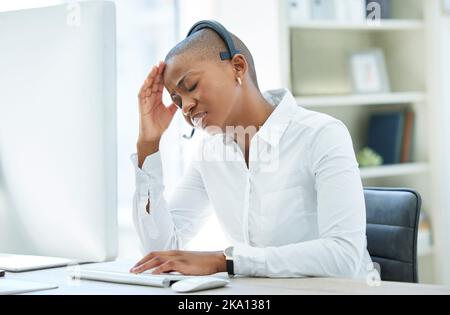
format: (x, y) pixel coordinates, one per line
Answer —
(188, 105)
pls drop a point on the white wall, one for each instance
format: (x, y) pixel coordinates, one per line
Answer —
(443, 239)
(439, 142)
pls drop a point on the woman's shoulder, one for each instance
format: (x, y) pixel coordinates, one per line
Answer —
(315, 123)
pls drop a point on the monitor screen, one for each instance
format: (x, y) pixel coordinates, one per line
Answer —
(58, 182)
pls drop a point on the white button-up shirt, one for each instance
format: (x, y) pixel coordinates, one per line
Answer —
(297, 210)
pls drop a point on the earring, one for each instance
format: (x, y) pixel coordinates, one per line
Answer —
(239, 81)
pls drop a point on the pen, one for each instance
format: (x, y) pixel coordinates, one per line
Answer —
(2, 273)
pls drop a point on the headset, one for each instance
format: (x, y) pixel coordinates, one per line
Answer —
(226, 37)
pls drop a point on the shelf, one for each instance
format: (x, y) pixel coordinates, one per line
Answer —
(386, 25)
(394, 170)
(359, 100)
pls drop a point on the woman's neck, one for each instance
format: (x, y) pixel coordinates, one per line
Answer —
(252, 116)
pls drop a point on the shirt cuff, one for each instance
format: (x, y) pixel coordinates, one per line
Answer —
(149, 180)
(249, 261)
(151, 167)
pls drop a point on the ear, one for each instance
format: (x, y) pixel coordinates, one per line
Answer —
(240, 65)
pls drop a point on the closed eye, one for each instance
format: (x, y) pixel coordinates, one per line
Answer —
(192, 88)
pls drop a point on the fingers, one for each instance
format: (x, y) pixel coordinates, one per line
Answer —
(145, 259)
(155, 262)
(158, 84)
(155, 257)
(148, 81)
(154, 82)
(161, 86)
(168, 266)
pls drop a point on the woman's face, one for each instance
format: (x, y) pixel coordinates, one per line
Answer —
(206, 90)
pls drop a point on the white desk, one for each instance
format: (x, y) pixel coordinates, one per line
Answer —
(238, 285)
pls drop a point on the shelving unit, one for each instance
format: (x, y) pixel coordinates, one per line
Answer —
(391, 25)
(394, 170)
(361, 100)
(317, 72)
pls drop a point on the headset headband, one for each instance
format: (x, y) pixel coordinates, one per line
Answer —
(221, 31)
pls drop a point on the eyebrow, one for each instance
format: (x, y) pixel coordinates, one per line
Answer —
(181, 81)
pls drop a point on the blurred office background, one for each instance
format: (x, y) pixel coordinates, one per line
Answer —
(393, 67)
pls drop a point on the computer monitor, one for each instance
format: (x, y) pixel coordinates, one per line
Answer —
(58, 178)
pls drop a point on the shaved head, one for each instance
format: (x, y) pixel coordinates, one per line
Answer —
(206, 44)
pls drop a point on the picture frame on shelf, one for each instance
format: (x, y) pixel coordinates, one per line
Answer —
(368, 72)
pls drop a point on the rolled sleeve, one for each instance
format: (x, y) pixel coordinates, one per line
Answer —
(249, 261)
(149, 185)
(149, 179)
(169, 224)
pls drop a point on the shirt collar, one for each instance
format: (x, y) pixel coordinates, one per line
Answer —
(275, 126)
(277, 123)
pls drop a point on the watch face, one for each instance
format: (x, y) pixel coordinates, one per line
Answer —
(229, 252)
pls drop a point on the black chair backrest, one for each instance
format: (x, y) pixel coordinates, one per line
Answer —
(392, 226)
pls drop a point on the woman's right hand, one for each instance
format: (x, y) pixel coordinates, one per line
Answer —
(154, 116)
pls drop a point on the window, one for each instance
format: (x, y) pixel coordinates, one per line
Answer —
(146, 31)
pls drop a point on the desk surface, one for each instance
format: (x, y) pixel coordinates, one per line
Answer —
(238, 285)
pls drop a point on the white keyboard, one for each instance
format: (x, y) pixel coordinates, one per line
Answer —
(146, 279)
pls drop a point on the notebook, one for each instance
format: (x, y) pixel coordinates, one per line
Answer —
(407, 137)
(11, 286)
(19, 263)
(386, 135)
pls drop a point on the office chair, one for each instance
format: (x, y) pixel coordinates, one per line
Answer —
(392, 226)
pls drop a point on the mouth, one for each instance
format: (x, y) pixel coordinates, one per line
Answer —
(197, 119)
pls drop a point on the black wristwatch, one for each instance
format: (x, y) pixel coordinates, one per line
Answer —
(228, 253)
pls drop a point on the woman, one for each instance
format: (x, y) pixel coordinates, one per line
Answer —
(283, 181)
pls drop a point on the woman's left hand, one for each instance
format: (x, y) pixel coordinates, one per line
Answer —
(187, 263)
